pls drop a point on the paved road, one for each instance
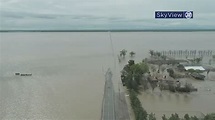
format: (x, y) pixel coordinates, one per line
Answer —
(108, 108)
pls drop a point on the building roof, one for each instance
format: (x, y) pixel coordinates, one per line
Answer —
(194, 67)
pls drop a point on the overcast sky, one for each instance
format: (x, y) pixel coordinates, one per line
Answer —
(102, 14)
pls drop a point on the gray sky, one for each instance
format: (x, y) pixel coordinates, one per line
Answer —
(102, 14)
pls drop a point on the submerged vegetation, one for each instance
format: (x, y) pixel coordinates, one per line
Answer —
(188, 52)
(123, 52)
(132, 75)
(132, 53)
(213, 56)
(187, 117)
(136, 76)
(139, 112)
(196, 60)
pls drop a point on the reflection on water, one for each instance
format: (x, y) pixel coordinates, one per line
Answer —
(68, 79)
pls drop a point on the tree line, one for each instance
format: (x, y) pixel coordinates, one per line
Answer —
(184, 52)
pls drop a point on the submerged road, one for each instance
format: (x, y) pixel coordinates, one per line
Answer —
(108, 107)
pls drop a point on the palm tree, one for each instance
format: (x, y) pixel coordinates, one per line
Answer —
(123, 52)
(132, 53)
(198, 60)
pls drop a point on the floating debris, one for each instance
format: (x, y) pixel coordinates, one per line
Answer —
(26, 74)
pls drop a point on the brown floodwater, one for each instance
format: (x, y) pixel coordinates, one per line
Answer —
(68, 68)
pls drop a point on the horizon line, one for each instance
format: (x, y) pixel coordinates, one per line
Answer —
(113, 30)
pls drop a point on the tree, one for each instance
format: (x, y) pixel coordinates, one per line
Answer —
(194, 118)
(152, 116)
(164, 117)
(158, 54)
(139, 112)
(171, 72)
(123, 52)
(210, 116)
(198, 60)
(186, 117)
(151, 52)
(174, 117)
(132, 74)
(131, 62)
(163, 57)
(132, 53)
(140, 68)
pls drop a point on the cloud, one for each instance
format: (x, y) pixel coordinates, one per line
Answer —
(81, 14)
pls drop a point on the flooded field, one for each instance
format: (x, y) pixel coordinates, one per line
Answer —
(68, 69)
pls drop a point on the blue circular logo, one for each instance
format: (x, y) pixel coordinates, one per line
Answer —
(188, 15)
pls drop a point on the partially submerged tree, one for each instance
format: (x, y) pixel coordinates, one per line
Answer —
(186, 117)
(151, 116)
(198, 60)
(174, 117)
(213, 57)
(210, 116)
(163, 57)
(132, 53)
(131, 62)
(158, 54)
(151, 52)
(164, 117)
(171, 72)
(139, 112)
(123, 52)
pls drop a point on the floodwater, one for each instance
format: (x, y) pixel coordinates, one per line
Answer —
(196, 103)
(68, 72)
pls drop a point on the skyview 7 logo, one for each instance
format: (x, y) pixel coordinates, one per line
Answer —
(173, 14)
